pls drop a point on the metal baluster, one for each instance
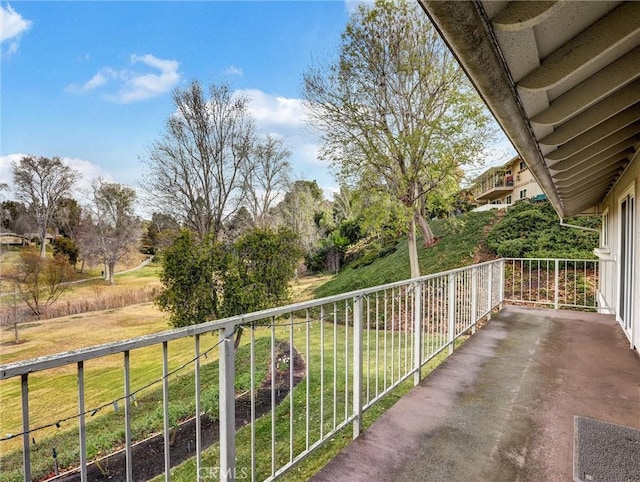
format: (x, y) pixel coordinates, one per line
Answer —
(26, 448)
(165, 410)
(127, 416)
(82, 428)
(196, 376)
(252, 356)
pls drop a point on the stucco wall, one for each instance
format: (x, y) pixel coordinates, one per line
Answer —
(611, 253)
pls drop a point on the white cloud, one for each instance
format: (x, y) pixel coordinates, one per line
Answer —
(274, 111)
(12, 26)
(126, 85)
(285, 118)
(233, 70)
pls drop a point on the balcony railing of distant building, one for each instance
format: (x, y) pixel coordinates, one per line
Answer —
(337, 356)
(492, 185)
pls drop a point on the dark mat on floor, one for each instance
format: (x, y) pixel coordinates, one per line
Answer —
(605, 452)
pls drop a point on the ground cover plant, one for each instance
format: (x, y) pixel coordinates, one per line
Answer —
(460, 240)
(533, 230)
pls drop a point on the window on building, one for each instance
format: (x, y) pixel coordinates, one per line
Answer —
(523, 193)
(507, 200)
(604, 236)
(523, 166)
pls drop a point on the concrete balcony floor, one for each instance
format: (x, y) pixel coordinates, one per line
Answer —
(502, 407)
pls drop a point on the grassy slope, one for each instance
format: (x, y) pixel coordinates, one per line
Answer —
(459, 239)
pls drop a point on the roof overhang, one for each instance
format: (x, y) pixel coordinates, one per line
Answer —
(562, 79)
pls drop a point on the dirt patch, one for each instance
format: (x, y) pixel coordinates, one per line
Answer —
(481, 252)
(148, 455)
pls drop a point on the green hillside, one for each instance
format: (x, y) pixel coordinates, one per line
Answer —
(525, 230)
(461, 241)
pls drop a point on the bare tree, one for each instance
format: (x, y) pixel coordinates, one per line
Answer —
(112, 230)
(395, 111)
(266, 178)
(41, 281)
(42, 183)
(194, 172)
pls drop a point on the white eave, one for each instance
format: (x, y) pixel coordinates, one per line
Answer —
(563, 80)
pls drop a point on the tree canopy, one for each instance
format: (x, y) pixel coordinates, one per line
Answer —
(395, 111)
(111, 230)
(42, 183)
(204, 279)
(195, 172)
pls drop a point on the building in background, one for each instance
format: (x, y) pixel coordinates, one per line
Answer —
(502, 186)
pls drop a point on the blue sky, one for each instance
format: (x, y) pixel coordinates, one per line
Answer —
(91, 82)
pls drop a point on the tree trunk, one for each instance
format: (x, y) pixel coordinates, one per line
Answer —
(413, 249)
(16, 338)
(427, 235)
(43, 246)
(112, 272)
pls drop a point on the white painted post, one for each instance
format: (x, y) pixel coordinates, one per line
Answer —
(417, 333)
(490, 292)
(474, 299)
(127, 417)
(556, 288)
(26, 447)
(501, 283)
(227, 405)
(452, 311)
(357, 365)
(82, 427)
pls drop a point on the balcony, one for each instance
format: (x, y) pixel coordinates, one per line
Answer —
(500, 403)
(493, 184)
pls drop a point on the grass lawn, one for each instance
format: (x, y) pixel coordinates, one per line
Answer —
(104, 382)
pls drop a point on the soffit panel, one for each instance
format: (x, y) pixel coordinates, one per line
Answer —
(596, 134)
(568, 21)
(592, 175)
(574, 108)
(593, 163)
(603, 110)
(592, 90)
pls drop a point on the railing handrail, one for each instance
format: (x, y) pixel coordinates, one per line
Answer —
(11, 370)
(388, 335)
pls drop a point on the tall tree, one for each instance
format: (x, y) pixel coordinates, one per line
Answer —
(112, 230)
(302, 205)
(162, 230)
(67, 217)
(395, 111)
(42, 183)
(194, 172)
(266, 178)
(11, 213)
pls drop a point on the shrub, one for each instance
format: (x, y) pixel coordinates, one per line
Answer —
(533, 231)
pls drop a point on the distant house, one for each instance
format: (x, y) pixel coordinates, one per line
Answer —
(506, 184)
(12, 239)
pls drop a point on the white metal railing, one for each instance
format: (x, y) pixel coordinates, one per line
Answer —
(557, 283)
(327, 361)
